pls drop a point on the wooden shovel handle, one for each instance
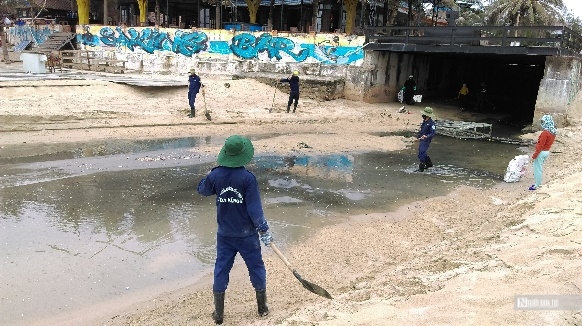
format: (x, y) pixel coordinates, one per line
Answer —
(276, 250)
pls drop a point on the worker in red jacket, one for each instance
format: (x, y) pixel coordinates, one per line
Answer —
(542, 151)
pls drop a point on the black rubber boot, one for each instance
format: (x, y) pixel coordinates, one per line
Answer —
(421, 167)
(288, 107)
(262, 303)
(428, 162)
(218, 313)
(294, 108)
(192, 113)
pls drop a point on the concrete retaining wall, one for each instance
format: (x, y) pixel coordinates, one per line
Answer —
(152, 49)
(386, 73)
(319, 88)
(561, 83)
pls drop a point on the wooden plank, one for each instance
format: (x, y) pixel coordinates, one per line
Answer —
(75, 65)
(115, 69)
(108, 61)
(91, 60)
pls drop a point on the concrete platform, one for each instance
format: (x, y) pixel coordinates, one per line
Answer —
(14, 72)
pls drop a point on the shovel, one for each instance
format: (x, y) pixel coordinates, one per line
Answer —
(306, 284)
(206, 113)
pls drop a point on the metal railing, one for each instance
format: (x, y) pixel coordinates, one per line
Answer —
(531, 36)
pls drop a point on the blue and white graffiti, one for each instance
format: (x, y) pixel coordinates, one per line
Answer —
(149, 40)
(244, 45)
(32, 33)
(247, 46)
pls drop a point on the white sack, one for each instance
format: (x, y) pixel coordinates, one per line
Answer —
(516, 168)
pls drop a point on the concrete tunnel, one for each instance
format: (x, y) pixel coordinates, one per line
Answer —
(512, 82)
(519, 86)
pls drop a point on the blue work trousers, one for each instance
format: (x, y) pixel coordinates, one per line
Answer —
(422, 148)
(250, 251)
(293, 97)
(192, 99)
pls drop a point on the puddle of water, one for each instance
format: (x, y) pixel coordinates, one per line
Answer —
(111, 222)
(52, 152)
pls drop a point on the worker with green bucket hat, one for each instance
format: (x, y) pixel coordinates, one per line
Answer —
(241, 221)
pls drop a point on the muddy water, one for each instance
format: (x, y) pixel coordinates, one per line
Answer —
(85, 224)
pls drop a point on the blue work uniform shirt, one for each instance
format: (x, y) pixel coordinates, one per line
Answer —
(194, 84)
(427, 128)
(239, 212)
(293, 83)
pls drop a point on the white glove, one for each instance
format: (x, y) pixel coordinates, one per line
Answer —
(266, 238)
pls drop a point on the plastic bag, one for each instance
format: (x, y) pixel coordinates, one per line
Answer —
(401, 96)
(516, 168)
(417, 98)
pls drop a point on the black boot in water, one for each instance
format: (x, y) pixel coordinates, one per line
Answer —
(421, 167)
(262, 303)
(218, 314)
(428, 162)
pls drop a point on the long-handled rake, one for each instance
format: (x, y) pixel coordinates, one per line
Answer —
(306, 284)
(275, 93)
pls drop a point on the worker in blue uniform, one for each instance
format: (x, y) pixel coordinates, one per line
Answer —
(425, 135)
(194, 84)
(293, 90)
(241, 222)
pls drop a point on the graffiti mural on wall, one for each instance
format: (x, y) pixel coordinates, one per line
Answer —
(149, 40)
(261, 46)
(38, 34)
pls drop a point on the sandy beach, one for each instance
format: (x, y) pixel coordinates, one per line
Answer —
(458, 259)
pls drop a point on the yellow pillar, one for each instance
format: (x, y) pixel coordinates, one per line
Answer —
(253, 7)
(351, 7)
(83, 11)
(143, 11)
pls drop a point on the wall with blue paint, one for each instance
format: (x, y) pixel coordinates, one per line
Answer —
(36, 33)
(176, 49)
(228, 52)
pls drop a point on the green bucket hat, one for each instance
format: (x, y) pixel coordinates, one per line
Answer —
(237, 151)
(427, 111)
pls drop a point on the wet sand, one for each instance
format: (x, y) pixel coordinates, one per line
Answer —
(458, 259)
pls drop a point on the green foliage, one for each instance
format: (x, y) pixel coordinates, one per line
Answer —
(524, 12)
(470, 18)
(574, 22)
(497, 12)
